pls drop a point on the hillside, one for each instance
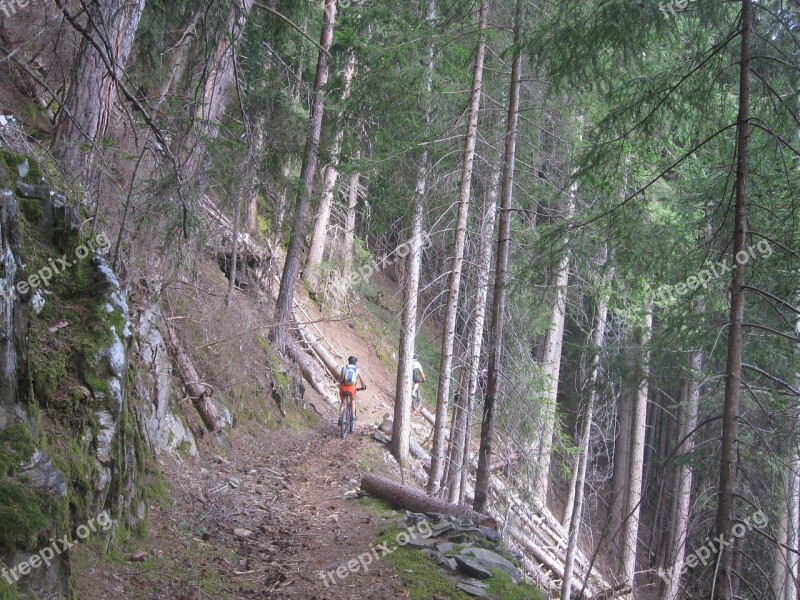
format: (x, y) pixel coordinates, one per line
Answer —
(572, 226)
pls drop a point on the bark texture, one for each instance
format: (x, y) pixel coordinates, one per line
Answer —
(106, 44)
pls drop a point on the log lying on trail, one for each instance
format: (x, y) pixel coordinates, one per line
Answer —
(310, 372)
(330, 363)
(208, 411)
(410, 499)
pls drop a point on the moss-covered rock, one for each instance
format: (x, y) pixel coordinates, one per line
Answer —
(16, 446)
(21, 516)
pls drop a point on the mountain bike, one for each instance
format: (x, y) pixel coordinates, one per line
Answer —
(416, 399)
(347, 414)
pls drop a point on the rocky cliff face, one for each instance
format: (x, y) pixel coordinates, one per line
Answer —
(86, 396)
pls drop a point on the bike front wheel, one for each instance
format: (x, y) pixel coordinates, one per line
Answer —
(346, 417)
(416, 400)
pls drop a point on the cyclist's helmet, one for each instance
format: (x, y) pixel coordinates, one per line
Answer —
(416, 355)
(352, 360)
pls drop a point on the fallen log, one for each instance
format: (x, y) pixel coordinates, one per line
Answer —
(310, 372)
(198, 393)
(330, 363)
(620, 590)
(410, 499)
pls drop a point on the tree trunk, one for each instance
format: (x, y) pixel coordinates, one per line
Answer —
(237, 217)
(551, 365)
(454, 281)
(622, 453)
(725, 580)
(679, 523)
(330, 175)
(102, 58)
(630, 532)
(458, 441)
(353, 188)
(414, 501)
(574, 517)
(483, 475)
(402, 397)
(212, 104)
(178, 54)
(291, 266)
(208, 411)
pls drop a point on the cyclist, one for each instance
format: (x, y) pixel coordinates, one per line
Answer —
(350, 375)
(416, 374)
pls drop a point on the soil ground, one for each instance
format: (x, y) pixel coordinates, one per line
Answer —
(266, 520)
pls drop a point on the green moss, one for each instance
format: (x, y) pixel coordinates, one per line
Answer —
(422, 577)
(16, 446)
(501, 586)
(48, 368)
(32, 209)
(74, 459)
(21, 516)
(8, 592)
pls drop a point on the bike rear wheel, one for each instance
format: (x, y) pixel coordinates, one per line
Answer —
(416, 400)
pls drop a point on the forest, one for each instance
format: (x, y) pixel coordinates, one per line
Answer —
(577, 218)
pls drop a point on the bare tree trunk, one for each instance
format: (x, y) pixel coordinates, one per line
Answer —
(330, 175)
(551, 366)
(574, 516)
(237, 216)
(291, 266)
(679, 524)
(401, 432)
(458, 439)
(630, 532)
(483, 475)
(178, 54)
(622, 453)
(103, 55)
(725, 580)
(217, 80)
(454, 281)
(353, 188)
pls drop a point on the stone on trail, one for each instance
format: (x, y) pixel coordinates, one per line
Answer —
(491, 560)
(473, 567)
(473, 588)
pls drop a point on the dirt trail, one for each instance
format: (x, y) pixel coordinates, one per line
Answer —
(265, 521)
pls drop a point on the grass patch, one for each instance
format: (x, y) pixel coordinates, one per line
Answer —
(501, 586)
(422, 577)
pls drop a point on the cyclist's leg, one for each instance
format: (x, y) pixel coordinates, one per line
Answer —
(353, 406)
